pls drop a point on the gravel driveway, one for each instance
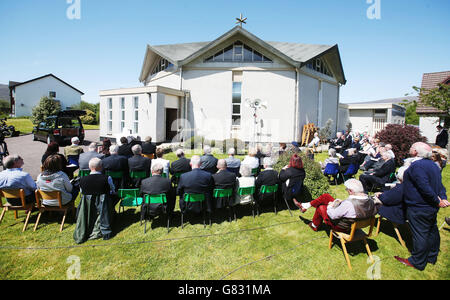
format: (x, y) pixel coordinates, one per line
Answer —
(32, 152)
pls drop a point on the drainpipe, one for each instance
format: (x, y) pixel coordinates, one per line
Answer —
(296, 108)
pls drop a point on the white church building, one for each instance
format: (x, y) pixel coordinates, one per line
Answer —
(204, 89)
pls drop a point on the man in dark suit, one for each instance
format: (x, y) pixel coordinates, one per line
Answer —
(195, 182)
(157, 185)
(125, 148)
(117, 163)
(379, 176)
(424, 194)
(442, 137)
(208, 161)
(148, 147)
(137, 162)
(224, 180)
(180, 166)
(267, 177)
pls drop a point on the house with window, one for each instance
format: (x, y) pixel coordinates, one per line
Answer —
(431, 117)
(26, 95)
(210, 89)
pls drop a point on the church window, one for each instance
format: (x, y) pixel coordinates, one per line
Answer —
(136, 115)
(122, 106)
(236, 99)
(238, 52)
(319, 65)
(161, 65)
(110, 115)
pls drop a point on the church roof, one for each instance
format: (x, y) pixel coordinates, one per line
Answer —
(294, 53)
(431, 81)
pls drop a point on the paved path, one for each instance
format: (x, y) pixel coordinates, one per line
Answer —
(32, 152)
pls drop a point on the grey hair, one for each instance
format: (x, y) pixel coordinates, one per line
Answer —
(354, 185)
(114, 149)
(252, 152)
(157, 168)
(423, 150)
(332, 152)
(180, 153)
(221, 163)
(95, 163)
(245, 171)
(10, 160)
(148, 139)
(93, 147)
(207, 149)
(137, 150)
(195, 161)
(401, 172)
(268, 162)
(231, 151)
(75, 140)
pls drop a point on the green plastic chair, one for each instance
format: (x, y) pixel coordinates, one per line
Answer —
(270, 189)
(176, 178)
(115, 174)
(156, 199)
(225, 193)
(138, 174)
(129, 198)
(84, 173)
(255, 171)
(244, 191)
(195, 198)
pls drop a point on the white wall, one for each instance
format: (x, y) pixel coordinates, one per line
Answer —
(28, 95)
(362, 120)
(308, 99)
(427, 126)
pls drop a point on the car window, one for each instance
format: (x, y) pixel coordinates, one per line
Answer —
(68, 123)
(42, 125)
(50, 123)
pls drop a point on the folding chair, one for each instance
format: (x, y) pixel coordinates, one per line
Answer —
(246, 191)
(270, 189)
(117, 177)
(84, 173)
(395, 225)
(42, 195)
(356, 234)
(129, 198)
(225, 193)
(196, 198)
(332, 170)
(15, 194)
(157, 199)
(176, 178)
(255, 171)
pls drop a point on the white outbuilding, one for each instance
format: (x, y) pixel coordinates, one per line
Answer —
(210, 89)
(26, 95)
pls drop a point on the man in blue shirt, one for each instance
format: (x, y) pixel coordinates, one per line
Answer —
(14, 178)
(424, 194)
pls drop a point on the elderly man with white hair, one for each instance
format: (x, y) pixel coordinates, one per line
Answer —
(180, 166)
(137, 162)
(268, 177)
(208, 162)
(72, 152)
(87, 156)
(233, 163)
(341, 214)
(424, 194)
(197, 181)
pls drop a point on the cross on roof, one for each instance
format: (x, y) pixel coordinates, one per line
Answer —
(241, 20)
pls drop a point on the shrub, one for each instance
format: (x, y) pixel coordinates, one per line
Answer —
(198, 142)
(315, 183)
(89, 118)
(401, 137)
(237, 144)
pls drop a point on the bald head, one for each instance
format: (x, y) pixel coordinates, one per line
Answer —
(222, 164)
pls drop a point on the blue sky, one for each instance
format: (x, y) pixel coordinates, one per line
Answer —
(105, 49)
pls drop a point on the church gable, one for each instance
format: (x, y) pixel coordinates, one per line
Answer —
(238, 52)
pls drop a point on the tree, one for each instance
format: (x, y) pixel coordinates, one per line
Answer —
(90, 108)
(438, 98)
(46, 107)
(325, 132)
(411, 117)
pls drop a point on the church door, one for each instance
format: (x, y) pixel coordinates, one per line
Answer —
(171, 124)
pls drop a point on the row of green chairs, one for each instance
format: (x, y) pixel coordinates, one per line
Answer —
(119, 174)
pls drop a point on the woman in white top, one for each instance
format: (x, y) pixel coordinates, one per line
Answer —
(159, 160)
(247, 180)
(332, 159)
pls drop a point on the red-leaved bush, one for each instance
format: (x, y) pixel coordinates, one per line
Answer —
(401, 137)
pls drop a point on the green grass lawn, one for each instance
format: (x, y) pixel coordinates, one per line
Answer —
(25, 126)
(267, 247)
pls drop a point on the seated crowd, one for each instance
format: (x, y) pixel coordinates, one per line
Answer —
(109, 169)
